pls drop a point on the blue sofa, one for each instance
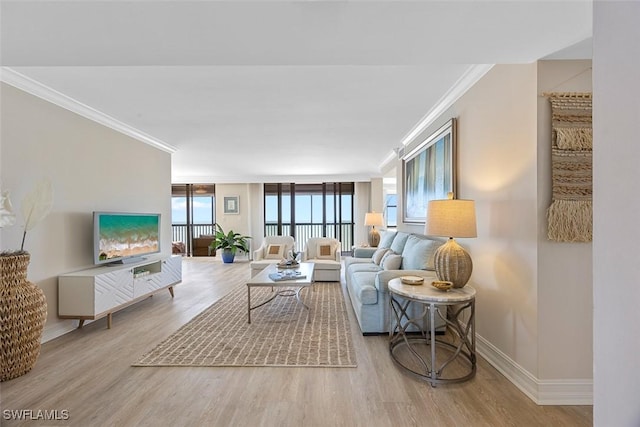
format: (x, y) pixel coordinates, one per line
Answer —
(368, 272)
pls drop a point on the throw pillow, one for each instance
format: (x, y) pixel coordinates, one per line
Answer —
(386, 237)
(418, 254)
(399, 241)
(392, 261)
(387, 254)
(325, 251)
(378, 254)
(274, 252)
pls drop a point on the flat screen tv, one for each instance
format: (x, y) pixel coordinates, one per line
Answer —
(120, 238)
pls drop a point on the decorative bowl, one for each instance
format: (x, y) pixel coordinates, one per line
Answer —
(442, 285)
(288, 264)
(412, 280)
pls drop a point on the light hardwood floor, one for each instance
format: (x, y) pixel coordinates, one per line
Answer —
(88, 373)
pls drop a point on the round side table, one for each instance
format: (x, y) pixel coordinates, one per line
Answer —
(416, 351)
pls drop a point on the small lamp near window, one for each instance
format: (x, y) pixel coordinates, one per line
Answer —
(452, 218)
(372, 219)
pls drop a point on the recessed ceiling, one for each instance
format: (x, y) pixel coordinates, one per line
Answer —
(265, 91)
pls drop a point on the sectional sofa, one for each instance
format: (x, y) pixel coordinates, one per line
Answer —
(368, 272)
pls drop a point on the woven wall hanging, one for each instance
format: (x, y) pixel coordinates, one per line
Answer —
(570, 216)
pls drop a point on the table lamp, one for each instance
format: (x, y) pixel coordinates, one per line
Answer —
(452, 218)
(372, 219)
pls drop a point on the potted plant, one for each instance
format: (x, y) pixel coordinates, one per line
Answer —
(229, 243)
(23, 306)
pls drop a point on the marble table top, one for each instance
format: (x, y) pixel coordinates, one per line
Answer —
(428, 293)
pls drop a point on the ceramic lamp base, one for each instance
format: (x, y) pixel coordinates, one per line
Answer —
(453, 264)
(374, 238)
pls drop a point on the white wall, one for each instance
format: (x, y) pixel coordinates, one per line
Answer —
(496, 125)
(91, 168)
(250, 220)
(528, 301)
(362, 205)
(377, 195)
(564, 269)
(368, 197)
(240, 223)
(616, 267)
(497, 169)
(256, 229)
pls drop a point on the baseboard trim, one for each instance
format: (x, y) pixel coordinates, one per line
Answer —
(565, 392)
(542, 392)
(58, 330)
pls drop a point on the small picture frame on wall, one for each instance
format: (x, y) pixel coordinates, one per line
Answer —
(231, 205)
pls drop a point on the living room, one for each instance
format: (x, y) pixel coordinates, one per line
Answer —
(536, 298)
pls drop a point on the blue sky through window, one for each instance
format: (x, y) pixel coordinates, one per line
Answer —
(308, 209)
(391, 210)
(202, 210)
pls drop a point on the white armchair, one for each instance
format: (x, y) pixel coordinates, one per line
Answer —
(272, 250)
(324, 252)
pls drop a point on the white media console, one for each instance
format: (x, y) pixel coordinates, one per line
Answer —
(100, 291)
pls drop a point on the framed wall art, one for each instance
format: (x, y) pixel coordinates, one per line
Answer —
(429, 172)
(231, 205)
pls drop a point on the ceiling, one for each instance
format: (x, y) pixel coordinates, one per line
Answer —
(269, 91)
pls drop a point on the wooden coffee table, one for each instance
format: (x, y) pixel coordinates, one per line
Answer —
(282, 288)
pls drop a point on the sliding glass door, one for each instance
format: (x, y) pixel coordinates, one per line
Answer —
(193, 213)
(310, 210)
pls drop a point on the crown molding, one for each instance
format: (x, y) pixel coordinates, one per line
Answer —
(27, 84)
(178, 178)
(459, 88)
(473, 74)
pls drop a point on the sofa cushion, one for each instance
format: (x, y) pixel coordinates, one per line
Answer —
(399, 241)
(418, 254)
(274, 252)
(359, 267)
(363, 285)
(386, 238)
(392, 262)
(364, 252)
(378, 254)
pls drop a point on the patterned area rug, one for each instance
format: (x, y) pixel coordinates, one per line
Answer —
(280, 334)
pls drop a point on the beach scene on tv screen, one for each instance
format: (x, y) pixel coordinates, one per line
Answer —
(128, 235)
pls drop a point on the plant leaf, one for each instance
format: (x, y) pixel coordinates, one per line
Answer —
(37, 204)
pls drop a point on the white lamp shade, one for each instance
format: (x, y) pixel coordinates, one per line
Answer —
(373, 219)
(451, 218)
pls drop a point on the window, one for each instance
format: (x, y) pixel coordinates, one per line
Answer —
(310, 210)
(391, 210)
(203, 208)
(192, 212)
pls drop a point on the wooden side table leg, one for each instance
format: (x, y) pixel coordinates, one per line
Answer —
(171, 290)
(80, 323)
(109, 318)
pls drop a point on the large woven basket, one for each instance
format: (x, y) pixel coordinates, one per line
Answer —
(23, 312)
